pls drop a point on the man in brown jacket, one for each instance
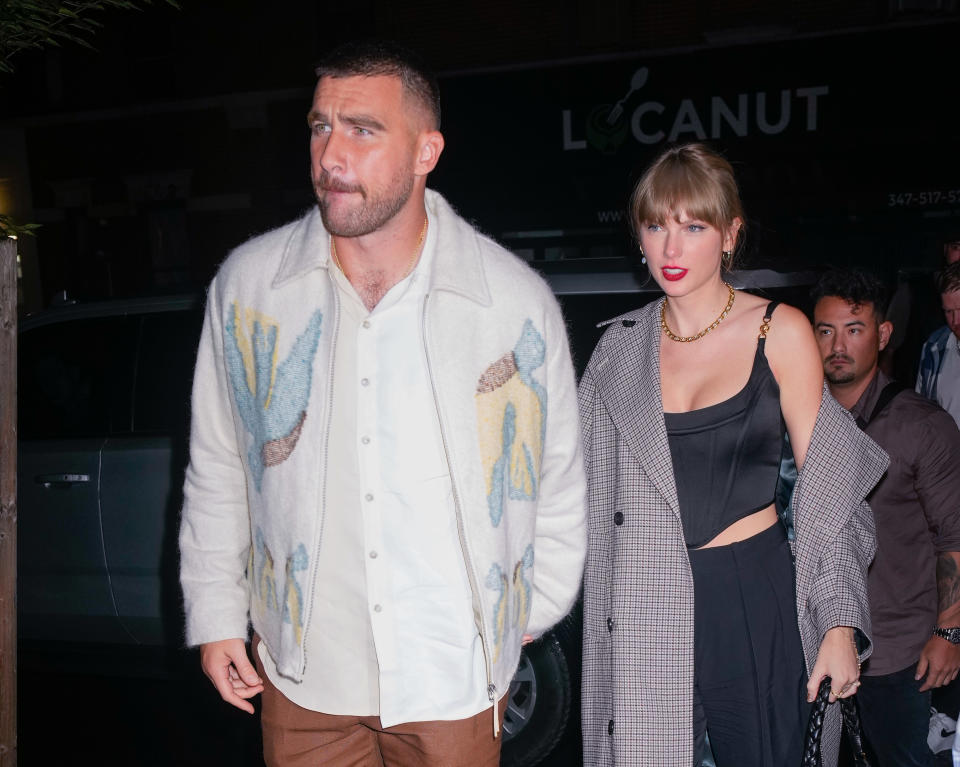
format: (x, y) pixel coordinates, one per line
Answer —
(914, 581)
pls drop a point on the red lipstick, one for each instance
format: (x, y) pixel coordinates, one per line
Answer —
(673, 273)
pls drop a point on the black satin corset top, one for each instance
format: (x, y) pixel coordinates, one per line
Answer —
(726, 457)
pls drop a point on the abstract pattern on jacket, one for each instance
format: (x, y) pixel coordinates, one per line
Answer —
(512, 421)
(513, 600)
(264, 590)
(271, 396)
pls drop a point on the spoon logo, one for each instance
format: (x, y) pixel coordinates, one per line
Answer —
(607, 127)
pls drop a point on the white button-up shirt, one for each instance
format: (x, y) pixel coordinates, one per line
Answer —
(392, 629)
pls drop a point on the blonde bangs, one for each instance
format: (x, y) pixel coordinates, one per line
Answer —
(690, 180)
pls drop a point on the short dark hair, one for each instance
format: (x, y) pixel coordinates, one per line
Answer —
(856, 287)
(948, 278)
(373, 58)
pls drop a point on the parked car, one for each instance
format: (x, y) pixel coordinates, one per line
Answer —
(104, 399)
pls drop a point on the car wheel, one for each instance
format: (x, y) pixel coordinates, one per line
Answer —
(538, 704)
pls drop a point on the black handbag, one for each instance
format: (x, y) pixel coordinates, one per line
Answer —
(851, 722)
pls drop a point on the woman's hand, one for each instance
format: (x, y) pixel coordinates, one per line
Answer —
(837, 659)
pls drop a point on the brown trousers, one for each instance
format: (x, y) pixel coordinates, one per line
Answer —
(297, 737)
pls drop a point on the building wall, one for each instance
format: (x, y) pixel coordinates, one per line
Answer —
(184, 133)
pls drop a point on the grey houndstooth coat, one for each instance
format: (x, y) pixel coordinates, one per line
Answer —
(638, 662)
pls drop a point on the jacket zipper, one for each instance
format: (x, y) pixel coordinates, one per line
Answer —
(324, 463)
(471, 576)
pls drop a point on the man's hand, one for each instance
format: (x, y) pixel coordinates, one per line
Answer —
(226, 665)
(939, 661)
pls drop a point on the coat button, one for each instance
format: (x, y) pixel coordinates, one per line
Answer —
(618, 518)
(609, 624)
(610, 728)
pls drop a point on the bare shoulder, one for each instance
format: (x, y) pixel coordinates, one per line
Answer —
(793, 356)
(791, 348)
(750, 301)
(748, 312)
(792, 352)
(788, 324)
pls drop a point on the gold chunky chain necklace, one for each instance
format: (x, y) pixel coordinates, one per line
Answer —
(702, 333)
(413, 258)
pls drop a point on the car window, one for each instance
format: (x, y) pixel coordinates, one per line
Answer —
(167, 351)
(74, 378)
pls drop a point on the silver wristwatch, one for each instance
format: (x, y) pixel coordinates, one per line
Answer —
(952, 635)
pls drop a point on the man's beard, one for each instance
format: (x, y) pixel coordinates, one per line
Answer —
(372, 212)
(841, 378)
(840, 375)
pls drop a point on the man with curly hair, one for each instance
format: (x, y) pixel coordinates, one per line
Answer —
(914, 581)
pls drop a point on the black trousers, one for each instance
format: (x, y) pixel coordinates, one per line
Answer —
(896, 719)
(750, 682)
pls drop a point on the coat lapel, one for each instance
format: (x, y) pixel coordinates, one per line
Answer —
(625, 377)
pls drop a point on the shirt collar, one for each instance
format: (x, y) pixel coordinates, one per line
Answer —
(868, 400)
(411, 287)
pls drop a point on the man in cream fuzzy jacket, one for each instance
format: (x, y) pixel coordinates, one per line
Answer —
(385, 475)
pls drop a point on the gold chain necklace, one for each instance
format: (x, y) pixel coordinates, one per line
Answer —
(413, 258)
(702, 333)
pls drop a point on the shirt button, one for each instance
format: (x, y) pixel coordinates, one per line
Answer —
(366, 323)
(618, 518)
(609, 624)
(378, 608)
(373, 555)
(610, 728)
(365, 440)
(364, 381)
(368, 497)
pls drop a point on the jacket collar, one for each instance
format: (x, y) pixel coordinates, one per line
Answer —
(457, 264)
(307, 248)
(628, 379)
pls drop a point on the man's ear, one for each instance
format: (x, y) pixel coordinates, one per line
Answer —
(884, 332)
(429, 148)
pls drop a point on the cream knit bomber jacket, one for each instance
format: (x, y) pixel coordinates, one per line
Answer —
(504, 385)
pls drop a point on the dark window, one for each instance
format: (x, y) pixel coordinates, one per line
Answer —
(166, 355)
(74, 379)
(582, 313)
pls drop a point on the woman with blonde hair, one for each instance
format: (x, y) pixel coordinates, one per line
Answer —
(695, 618)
